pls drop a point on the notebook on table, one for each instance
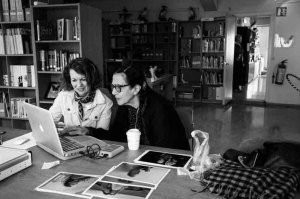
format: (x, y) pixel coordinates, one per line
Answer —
(45, 133)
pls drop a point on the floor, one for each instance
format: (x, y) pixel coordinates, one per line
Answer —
(246, 127)
(255, 91)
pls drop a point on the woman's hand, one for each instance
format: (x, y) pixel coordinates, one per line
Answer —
(74, 130)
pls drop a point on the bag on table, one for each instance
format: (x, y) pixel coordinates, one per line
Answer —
(202, 160)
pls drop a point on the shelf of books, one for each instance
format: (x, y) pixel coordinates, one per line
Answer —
(36, 42)
(63, 32)
(201, 60)
(189, 64)
(18, 74)
(145, 45)
(213, 53)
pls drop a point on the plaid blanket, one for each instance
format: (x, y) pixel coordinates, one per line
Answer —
(232, 180)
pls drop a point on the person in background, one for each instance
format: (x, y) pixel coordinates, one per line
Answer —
(238, 64)
(81, 103)
(142, 108)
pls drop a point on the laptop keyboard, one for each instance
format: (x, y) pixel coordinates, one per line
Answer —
(69, 145)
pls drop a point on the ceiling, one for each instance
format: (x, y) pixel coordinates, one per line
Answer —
(209, 5)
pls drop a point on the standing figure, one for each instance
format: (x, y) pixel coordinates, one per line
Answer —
(238, 64)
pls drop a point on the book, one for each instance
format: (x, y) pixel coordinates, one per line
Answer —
(20, 15)
(19, 42)
(5, 101)
(8, 41)
(1, 11)
(45, 30)
(16, 105)
(28, 15)
(20, 5)
(76, 36)
(5, 10)
(2, 105)
(32, 76)
(43, 56)
(26, 40)
(196, 62)
(69, 33)
(61, 29)
(13, 10)
(2, 52)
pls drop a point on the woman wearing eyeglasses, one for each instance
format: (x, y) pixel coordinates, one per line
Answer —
(81, 102)
(140, 107)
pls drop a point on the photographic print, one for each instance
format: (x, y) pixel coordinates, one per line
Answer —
(68, 184)
(159, 158)
(139, 173)
(117, 191)
(126, 182)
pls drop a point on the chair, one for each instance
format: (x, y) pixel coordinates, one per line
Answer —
(186, 115)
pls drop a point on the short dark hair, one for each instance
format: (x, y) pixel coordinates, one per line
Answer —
(134, 76)
(85, 67)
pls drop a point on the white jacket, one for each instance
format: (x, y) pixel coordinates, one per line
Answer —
(97, 114)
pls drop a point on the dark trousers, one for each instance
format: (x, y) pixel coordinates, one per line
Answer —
(237, 74)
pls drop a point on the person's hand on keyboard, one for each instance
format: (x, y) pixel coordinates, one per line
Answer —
(74, 130)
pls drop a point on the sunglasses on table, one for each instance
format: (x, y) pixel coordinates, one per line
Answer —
(118, 87)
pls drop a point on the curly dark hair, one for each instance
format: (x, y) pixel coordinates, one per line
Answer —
(85, 67)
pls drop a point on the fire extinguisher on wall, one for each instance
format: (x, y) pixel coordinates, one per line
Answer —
(280, 73)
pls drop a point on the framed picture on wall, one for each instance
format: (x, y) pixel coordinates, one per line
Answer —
(53, 90)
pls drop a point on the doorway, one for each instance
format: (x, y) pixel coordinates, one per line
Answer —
(255, 44)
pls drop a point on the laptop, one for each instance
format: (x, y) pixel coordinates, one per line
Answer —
(46, 135)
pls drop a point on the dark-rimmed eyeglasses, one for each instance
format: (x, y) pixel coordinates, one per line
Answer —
(93, 151)
(118, 87)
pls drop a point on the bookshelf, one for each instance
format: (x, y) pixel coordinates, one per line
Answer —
(15, 64)
(213, 54)
(64, 32)
(17, 80)
(202, 54)
(189, 63)
(155, 44)
(144, 45)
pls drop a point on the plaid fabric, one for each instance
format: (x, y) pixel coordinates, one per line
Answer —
(231, 180)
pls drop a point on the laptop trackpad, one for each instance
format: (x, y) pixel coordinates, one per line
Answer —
(87, 140)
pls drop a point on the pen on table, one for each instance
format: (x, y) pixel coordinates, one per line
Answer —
(27, 139)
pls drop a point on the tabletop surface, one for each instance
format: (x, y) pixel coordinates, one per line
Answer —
(23, 183)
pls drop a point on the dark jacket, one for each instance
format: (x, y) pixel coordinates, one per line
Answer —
(161, 124)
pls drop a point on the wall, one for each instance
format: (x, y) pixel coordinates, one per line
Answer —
(178, 9)
(286, 26)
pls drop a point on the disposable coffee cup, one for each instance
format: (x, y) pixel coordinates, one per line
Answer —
(133, 139)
